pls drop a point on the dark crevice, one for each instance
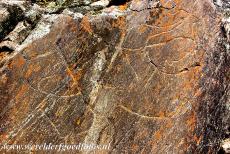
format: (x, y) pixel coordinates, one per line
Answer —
(197, 64)
(224, 32)
(117, 2)
(221, 151)
(16, 15)
(153, 63)
(6, 49)
(184, 69)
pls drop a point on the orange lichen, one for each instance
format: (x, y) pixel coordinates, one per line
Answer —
(32, 69)
(123, 7)
(3, 137)
(161, 114)
(135, 147)
(78, 122)
(75, 76)
(74, 85)
(120, 22)
(197, 139)
(85, 24)
(21, 92)
(19, 62)
(158, 135)
(169, 124)
(198, 92)
(191, 122)
(142, 29)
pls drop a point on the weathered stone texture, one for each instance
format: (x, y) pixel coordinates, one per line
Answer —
(152, 80)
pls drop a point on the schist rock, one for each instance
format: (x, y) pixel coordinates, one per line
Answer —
(142, 76)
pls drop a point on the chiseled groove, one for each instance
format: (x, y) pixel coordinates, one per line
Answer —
(32, 114)
(15, 132)
(173, 26)
(135, 73)
(53, 94)
(43, 55)
(52, 124)
(174, 38)
(140, 115)
(151, 76)
(177, 72)
(177, 24)
(96, 120)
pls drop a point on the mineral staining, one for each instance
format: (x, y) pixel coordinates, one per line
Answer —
(142, 76)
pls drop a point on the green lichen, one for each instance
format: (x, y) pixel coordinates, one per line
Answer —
(57, 3)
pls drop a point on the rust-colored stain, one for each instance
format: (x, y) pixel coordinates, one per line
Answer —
(2, 55)
(78, 122)
(161, 114)
(123, 7)
(23, 89)
(120, 22)
(143, 94)
(191, 122)
(85, 24)
(33, 68)
(135, 147)
(169, 124)
(197, 139)
(3, 137)
(74, 76)
(142, 29)
(19, 63)
(158, 135)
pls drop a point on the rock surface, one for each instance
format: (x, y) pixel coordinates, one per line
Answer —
(143, 77)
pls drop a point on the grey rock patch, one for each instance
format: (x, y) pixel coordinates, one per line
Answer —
(113, 12)
(73, 14)
(141, 5)
(42, 28)
(100, 4)
(20, 32)
(34, 14)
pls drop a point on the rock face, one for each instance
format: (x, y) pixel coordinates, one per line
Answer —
(144, 79)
